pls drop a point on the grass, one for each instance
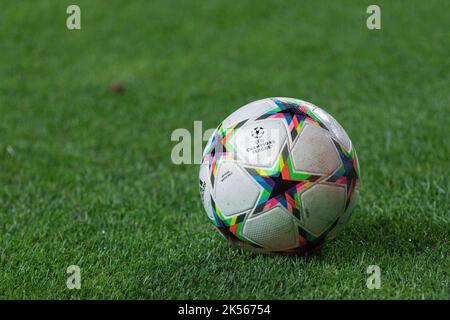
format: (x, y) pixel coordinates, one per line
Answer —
(87, 178)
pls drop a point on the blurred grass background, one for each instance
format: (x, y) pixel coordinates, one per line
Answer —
(86, 173)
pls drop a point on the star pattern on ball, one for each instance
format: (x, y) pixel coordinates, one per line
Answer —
(348, 172)
(220, 148)
(295, 115)
(281, 185)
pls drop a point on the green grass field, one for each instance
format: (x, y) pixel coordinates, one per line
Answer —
(86, 175)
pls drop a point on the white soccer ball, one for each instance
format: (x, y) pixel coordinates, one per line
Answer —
(279, 175)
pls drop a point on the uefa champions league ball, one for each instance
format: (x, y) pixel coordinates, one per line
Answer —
(279, 175)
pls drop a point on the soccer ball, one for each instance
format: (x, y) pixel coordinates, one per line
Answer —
(279, 175)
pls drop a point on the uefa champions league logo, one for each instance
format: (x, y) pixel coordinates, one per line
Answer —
(257, 132)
